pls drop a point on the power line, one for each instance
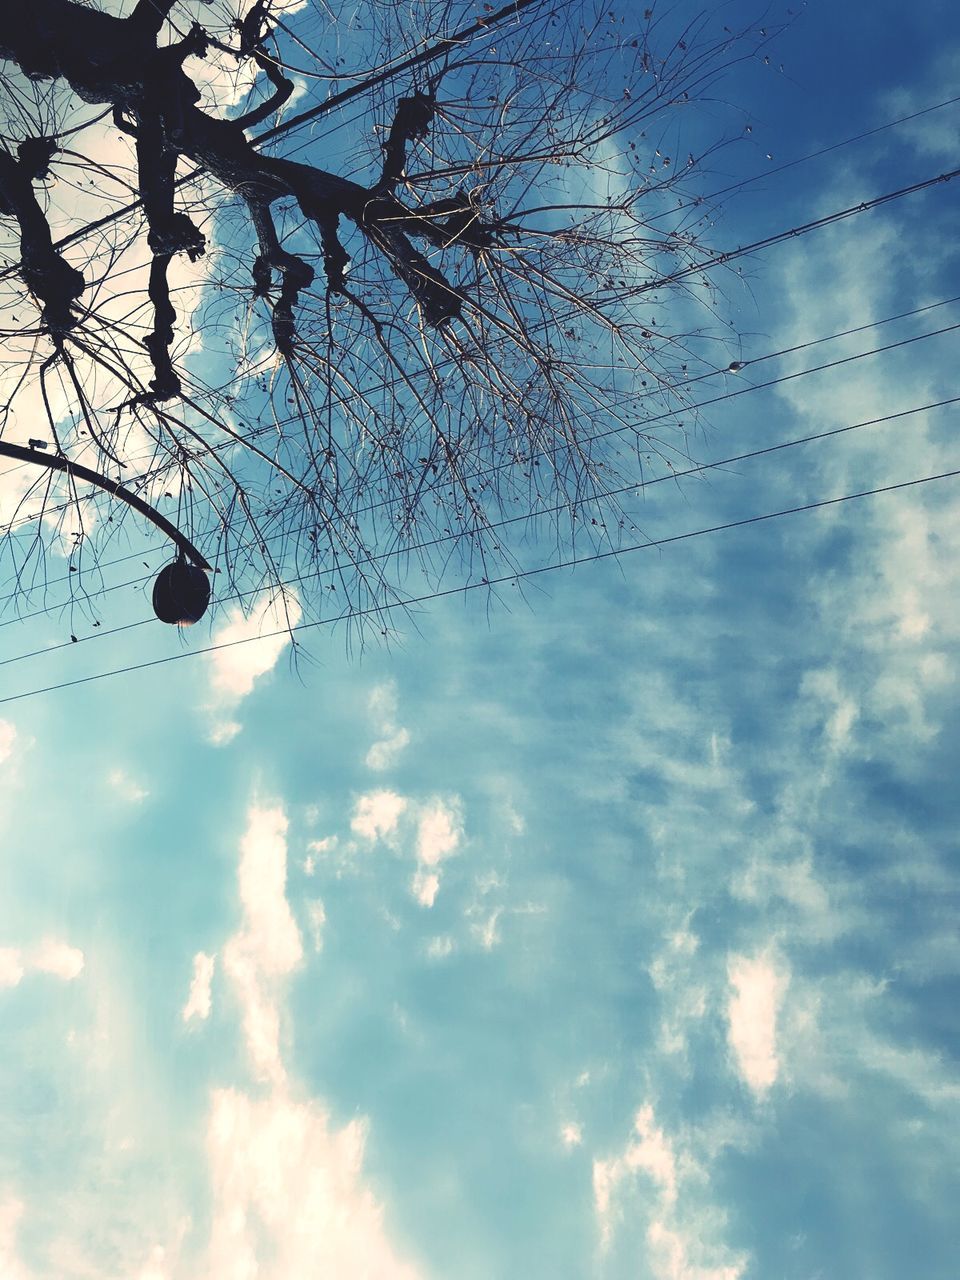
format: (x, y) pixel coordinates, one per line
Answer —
(674, 413)
(506, 579)
(336, 100)
(481, 26)
(716, 465)
(768, 241)
(390, 383)
(815, 155)
(793, 233)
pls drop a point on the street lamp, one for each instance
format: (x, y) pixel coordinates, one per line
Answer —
(181, 592)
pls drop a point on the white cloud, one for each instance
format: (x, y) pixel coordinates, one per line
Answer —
(11, 1211)
(440, 947)
(839, 711)
(671, 1257)
(326, 845)
(223, 732)
(11, 967)
(289, 1201)
(571, 1134)
(126, 787)
(439, 832)
(316, 919)
(155, 1268)
(267, 946)
(435, 824)
(425, 886)
(653, 1153)
(317, 849)
(680, 1236)
(8, 736)
(649, 1152)
(57, 959)
(199, 1000)
(486, 931)
(255, 642)
(376, 814)
(758, 986)
(270, 933)
(393, 737)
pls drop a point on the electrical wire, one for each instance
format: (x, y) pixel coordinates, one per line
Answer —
(507, 579)
(729, 395)
(762, 174)
(719, 259)
(480, 27)
(777, 238)
(730, 255)
(337, 100)
(398, 552)
(280, 423)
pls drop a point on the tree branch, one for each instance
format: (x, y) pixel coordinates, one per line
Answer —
(56, 462)
(149, 85)
(47, 275)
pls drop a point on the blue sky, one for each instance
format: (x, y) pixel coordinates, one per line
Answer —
(607, 931)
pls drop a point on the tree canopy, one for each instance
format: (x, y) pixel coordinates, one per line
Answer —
(348, 292)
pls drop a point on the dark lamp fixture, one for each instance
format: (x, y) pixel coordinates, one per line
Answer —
(181, 593)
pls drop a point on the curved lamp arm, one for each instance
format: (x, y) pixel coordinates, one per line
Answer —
(56, 462)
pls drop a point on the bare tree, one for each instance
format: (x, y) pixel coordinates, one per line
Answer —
(447, 289)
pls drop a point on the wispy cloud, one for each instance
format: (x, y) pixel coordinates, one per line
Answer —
(571, 1134)
(680, 1231)
(11, 1267)
(126, 787)
(933, 135)
(250, 646)
(393, 737)
(199, 1000)
(439, 833)
(316, 919)
(757, 985)
(431, 830)
(317, 851)
(486, 930)
(377, 813)
(267, 947)
(289, 1197)
(440, 947)
(58, 959)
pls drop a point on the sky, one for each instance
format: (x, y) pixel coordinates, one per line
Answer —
(606, 928)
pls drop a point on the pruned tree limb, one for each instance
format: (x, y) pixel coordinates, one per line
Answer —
(46, 273)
